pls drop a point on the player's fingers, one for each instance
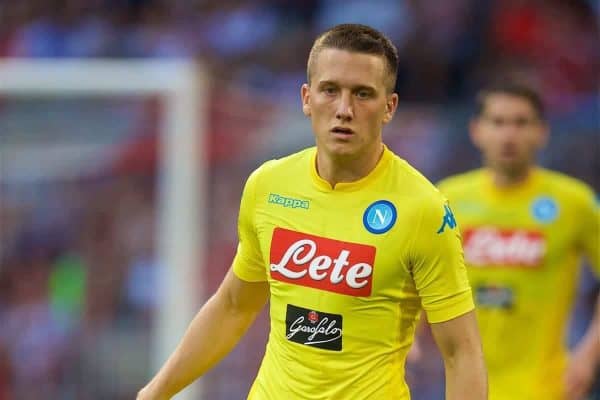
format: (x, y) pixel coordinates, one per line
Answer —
(570, 382)
(576, 386)
(415, 353)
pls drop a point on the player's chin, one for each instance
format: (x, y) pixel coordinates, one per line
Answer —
(510, 165)
(342, 149)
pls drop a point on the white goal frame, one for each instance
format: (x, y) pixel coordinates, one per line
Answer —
(182, 180)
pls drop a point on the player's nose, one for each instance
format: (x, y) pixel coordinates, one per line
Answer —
(344, 110)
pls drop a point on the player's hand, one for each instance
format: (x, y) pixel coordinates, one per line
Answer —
(580, 372)
(143, 395)
(146, 394)
(415, 354)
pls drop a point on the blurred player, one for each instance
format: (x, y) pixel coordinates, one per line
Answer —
(524, 229)
(348, 242)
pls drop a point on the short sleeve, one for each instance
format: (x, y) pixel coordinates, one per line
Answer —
(248, 262)
(437, 263)
(589, 234)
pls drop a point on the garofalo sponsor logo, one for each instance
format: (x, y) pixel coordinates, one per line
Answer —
(494, 296)
(288, 201)
(313, 328)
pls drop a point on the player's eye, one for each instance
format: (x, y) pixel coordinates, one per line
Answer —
(498, 122)
(363, 94)
(522, 122)
(329, 90)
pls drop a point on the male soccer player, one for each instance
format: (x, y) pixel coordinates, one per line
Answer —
(524, 229)
(348, 242)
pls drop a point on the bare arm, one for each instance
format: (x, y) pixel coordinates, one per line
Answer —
(584, 360)
(460, 345)
(213, 332)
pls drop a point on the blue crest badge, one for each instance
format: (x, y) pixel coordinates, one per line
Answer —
(379, 217)
(544, 209)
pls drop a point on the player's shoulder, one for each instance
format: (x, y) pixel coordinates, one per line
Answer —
(411, 179)
(566, 182)
(297, 159)
(426, 202)
(287, 165)
(568, 186)
(462, 182)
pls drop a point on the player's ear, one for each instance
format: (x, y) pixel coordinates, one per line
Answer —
(543, 134)
(305, 95)
(391, 104)
(474, 131)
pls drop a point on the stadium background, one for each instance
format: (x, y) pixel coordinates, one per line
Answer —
(78, 267)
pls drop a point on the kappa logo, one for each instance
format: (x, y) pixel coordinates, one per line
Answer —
(322, 263)
(290, 202)
(379, 217)
(448, 220)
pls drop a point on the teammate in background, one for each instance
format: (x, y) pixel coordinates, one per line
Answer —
(524, 229)
(348, 242)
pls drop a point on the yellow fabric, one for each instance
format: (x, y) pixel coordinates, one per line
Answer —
(393, 273)
(522, 248)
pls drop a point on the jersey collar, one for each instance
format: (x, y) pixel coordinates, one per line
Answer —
(521, 188)
(323, 185)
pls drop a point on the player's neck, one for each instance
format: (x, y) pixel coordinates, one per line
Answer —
(336, 170)
(506, 179)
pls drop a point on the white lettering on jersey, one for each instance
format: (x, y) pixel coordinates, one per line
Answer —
(319, 267)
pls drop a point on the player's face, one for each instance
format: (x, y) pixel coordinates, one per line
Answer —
(509, 133)
(347, 102)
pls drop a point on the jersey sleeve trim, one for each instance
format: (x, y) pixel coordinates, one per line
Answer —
(243, 273)
(248, 263)
(450, 307)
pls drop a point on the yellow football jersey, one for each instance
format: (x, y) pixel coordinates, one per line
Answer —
(522, 248)
(349, 269)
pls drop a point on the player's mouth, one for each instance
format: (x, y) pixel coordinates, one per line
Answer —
(509, 151)
(342, 131)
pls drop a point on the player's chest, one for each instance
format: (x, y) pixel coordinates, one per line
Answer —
(513, 233)
(340, 244)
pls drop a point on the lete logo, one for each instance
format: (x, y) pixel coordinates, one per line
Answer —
(322, 263)
(488, 246)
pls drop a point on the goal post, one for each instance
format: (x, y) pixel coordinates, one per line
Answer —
(181, 173)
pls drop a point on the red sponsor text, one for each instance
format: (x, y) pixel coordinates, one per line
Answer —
(489, 246)
(322, 263)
